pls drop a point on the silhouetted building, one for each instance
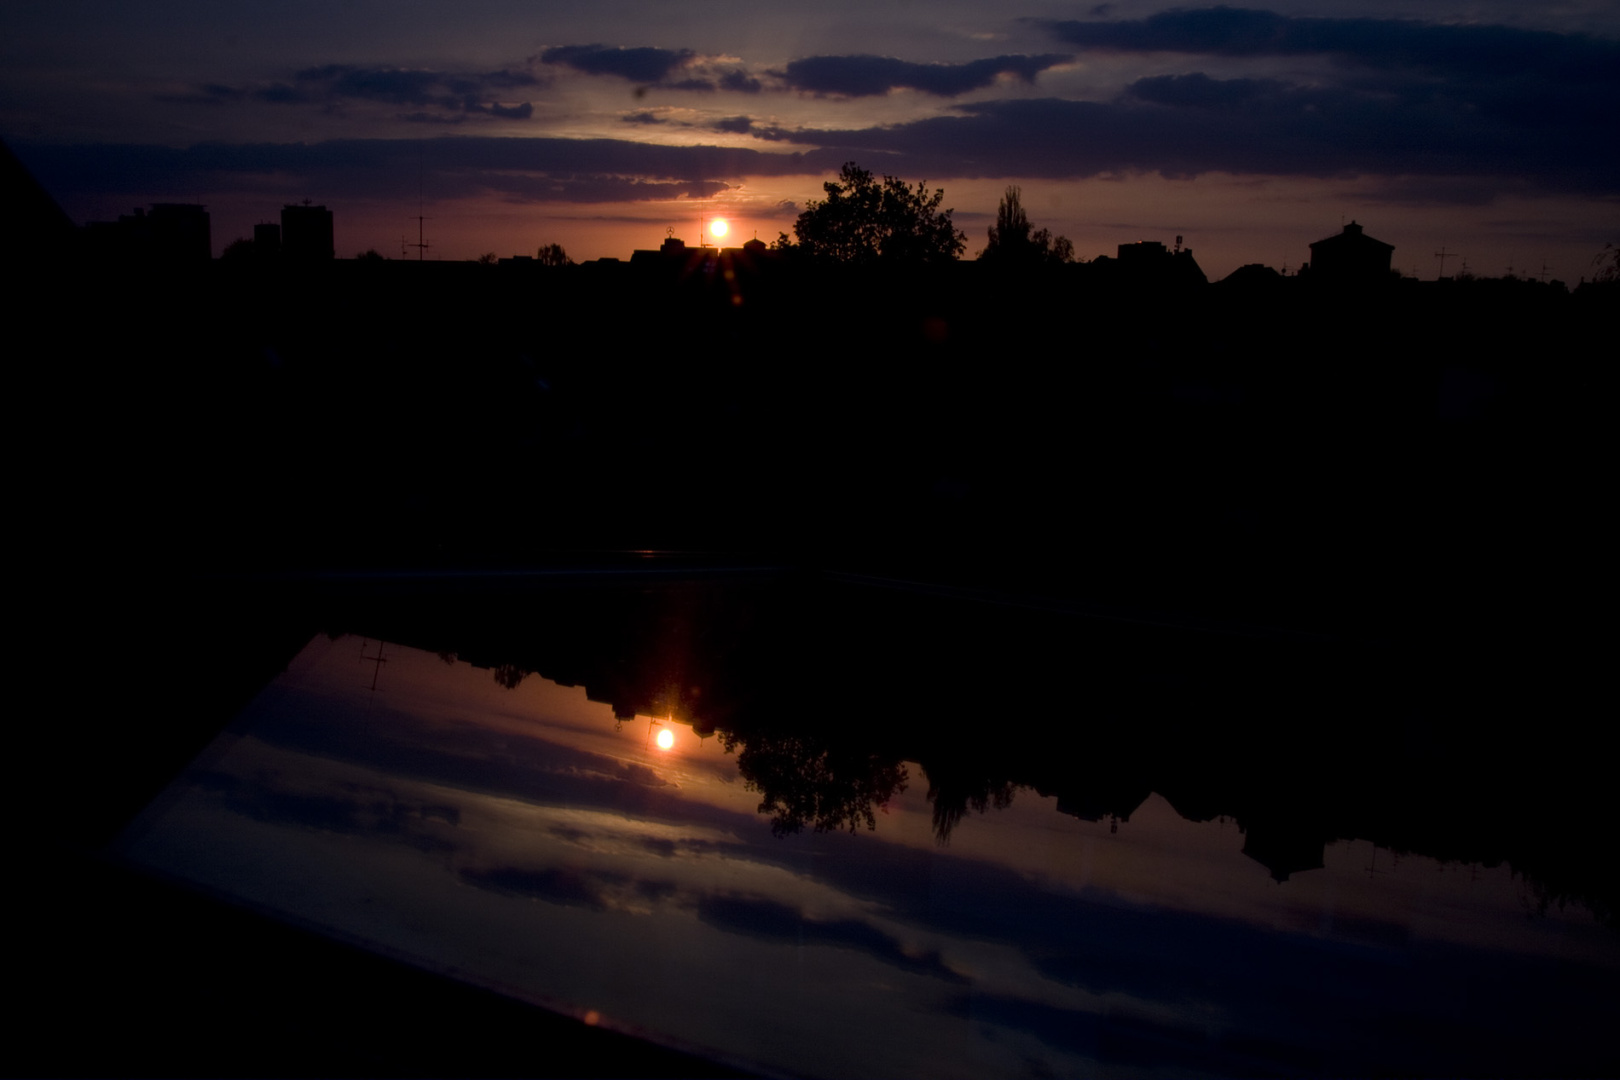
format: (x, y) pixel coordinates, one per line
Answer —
(306, 233)
(1252, 276)
(672, 252)
(267, 240)
(1351, 256)
(1285, 848)
(172, 233)
(1150, 261)
(180, 233)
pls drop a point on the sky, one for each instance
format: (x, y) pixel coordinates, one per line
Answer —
(1484, 127)
(525, 840)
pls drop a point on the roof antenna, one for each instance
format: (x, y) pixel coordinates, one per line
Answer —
(421, 244)
(1443, 255)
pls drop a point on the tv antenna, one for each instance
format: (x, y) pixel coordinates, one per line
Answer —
(1544, 270)
(379, 660)
(1443, 255)
(421, 244)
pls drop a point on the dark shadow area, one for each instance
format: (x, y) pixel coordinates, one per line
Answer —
(1315, 554)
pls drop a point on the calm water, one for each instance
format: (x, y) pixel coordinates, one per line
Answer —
(620, 870)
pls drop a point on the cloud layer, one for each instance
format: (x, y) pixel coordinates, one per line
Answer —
(431, 96)
(1481, 108)
(1481, 52)
(868, 76)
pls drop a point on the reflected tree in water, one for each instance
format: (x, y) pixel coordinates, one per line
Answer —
(509, 675)
(806, 782)
(953, 796)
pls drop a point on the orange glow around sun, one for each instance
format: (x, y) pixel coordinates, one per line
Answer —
(717, 227)
(666, 739)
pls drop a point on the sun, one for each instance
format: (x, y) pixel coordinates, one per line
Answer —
(718, 227)
(666, 739)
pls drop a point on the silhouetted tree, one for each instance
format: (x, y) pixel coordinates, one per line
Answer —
(806, 781)
(1607, 264)
(239, 250)
(509, 675)
(554, 255)
(952, 800)
(862, 221)
(488, 258)
(371, 255)
(1012, 242)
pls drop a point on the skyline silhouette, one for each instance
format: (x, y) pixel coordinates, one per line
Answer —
(1450, 126)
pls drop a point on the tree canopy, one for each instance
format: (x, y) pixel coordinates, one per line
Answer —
(1014, 242)
(863, 220)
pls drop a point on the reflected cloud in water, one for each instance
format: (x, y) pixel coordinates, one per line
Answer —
(771, 900)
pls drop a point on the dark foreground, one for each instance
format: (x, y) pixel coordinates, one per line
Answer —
(1342, 546)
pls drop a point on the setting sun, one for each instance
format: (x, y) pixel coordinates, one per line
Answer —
(717, 227)
(666, 739)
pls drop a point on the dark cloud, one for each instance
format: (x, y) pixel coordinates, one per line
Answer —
(635, 773)
(1188, 125)
(393, 85)
(355, 810)
(1201, 91)
(867, 76)
(450, 119)
(768, 919)
(523, 170)
(554, 885)
(282, 94)
(433, 96)
(654, 68)
(1498, 131)
(1486, 52)
(773, 133)
(641, 65)
(207, 94)
(508, 112)
(740, 82)
(1404, 97)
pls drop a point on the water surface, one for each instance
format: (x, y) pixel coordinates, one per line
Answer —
(525, 839)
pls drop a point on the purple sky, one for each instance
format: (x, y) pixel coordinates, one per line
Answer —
(1488, 128)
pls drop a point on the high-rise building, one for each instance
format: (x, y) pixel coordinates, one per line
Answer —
(180, 233)
(306, 233)
(171, 234)
(267, 240)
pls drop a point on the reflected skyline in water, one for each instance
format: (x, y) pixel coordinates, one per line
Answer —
(513, 832)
